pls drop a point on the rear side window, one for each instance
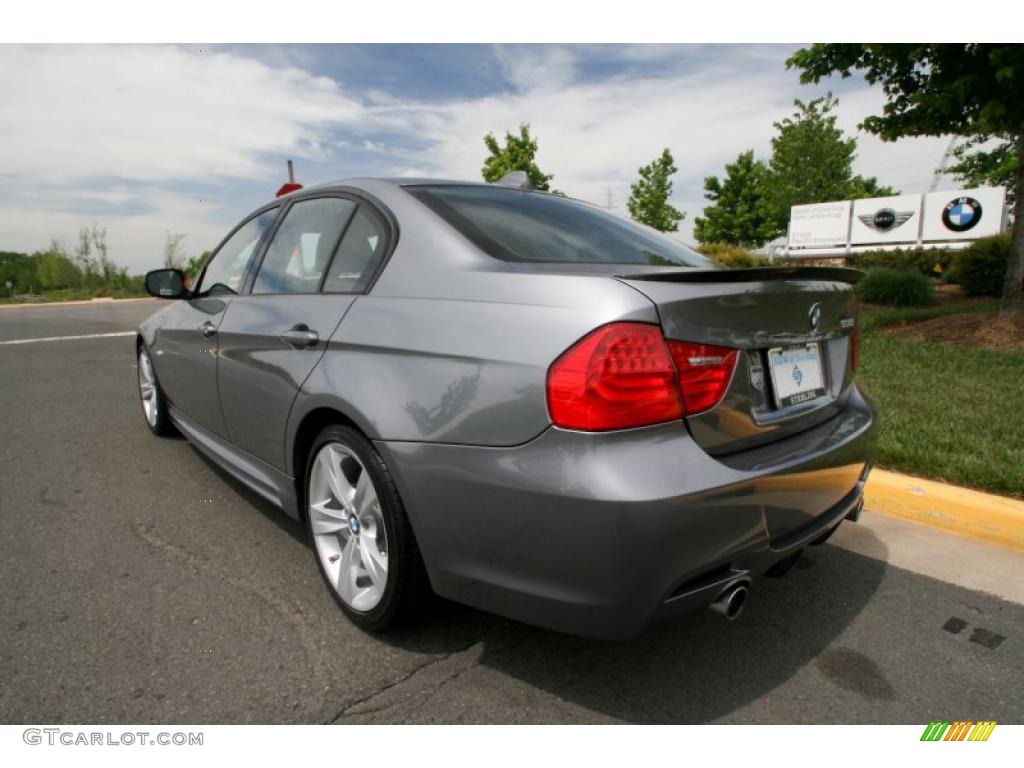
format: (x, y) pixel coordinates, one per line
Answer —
(302, 246)
(519, 225)
(359, 254)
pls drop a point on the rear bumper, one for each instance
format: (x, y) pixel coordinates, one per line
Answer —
(601, 534)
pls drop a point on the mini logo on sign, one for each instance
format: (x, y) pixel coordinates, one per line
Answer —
(961, 214)
(885, 219)
(814, 316)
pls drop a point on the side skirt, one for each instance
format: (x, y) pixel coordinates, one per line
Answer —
(269, 482)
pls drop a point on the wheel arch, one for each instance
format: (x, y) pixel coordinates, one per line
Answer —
(309, 426)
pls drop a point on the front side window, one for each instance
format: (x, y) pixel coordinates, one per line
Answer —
(360, 252)
(302, 246)
(520, 225)
(225, 272)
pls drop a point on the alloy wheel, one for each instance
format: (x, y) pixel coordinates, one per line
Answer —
(348, 526)
(147, 389)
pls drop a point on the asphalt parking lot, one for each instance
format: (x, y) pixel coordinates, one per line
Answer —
(143, 585)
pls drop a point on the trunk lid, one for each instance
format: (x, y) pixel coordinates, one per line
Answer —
(780, 319)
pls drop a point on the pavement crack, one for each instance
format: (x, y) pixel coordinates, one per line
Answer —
(472, 652)
(286, 609)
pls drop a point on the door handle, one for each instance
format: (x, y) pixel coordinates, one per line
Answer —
(300, 337)
(208, 329)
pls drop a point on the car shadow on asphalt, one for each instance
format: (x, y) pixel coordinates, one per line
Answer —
(695, 668)
(692, 669)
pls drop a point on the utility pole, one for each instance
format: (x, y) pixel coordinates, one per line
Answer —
(609, 199)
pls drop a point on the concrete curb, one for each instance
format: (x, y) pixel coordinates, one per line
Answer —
(972, 514)
(94, 302)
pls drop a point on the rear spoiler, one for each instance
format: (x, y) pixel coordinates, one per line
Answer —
(753, 275)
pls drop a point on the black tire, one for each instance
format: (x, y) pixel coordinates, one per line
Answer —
(161, 425)
(407, 589)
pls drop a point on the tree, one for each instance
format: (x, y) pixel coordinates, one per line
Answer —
(19, 269)
(108, 269)
(517, 155)
(174, 254)
(54, 269)
(738, 214)
(996, 167)
(812, 161)
(195, 265)
(861, 187)
(936, 89)
(648, 199)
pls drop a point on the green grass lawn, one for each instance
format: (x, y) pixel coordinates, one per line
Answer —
(949, 413)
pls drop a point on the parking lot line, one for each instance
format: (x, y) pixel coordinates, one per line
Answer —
(68, 338)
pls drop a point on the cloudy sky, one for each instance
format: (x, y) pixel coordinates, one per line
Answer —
(144, 140)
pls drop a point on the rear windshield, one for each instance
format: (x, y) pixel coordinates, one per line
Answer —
(519, 225)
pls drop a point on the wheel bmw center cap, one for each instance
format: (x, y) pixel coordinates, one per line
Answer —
(353, 525)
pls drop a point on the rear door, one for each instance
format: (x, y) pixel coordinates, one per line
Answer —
(187, 344)
(317, 262)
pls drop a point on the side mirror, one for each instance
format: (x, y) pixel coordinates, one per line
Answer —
(166, 284)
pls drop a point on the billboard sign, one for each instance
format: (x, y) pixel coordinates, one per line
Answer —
(932, 218)
(966, 214)
(886, 220)
(819, 225)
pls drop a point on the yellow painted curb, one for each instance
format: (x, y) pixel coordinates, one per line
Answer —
(968, 513)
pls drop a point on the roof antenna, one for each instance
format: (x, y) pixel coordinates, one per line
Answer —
(290, 185)
(517, 179)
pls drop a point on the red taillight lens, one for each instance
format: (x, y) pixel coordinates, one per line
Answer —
(704, 373)
(619, 376)
(854, 349)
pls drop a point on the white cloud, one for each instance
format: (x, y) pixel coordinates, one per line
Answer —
(155, 113)
(536, 67)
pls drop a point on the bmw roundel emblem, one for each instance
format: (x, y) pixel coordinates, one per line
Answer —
(814, 316)
(961, 214)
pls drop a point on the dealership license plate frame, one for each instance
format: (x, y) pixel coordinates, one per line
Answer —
(801, 395)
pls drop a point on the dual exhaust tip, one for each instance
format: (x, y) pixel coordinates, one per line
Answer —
(730, 603)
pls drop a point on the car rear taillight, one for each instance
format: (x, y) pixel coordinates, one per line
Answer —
(855, 349)
(619, 376)
(704, 373)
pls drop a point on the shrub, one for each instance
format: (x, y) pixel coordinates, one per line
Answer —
(921, 260)
(896, 288)
(733, 256)
(981, 268)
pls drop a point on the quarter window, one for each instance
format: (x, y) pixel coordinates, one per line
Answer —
(302, 246)
(359, 254)
(224, 274)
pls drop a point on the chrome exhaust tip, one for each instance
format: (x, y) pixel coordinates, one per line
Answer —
(730, 603)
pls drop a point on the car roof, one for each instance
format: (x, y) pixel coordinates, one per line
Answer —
(396, 181)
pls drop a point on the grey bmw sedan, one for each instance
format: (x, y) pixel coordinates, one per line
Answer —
(514, 400)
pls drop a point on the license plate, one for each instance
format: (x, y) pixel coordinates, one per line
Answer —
(796, 374)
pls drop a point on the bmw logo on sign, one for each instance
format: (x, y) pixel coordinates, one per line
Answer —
(961, 214)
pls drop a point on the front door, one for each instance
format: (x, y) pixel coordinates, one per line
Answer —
(187, 343)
